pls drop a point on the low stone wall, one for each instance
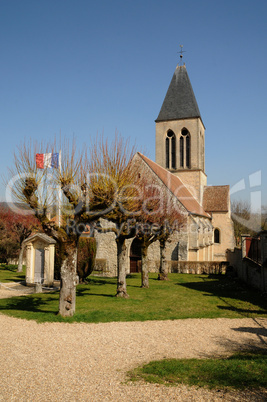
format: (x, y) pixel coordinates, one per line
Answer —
(198, 267)
(235, 258)
(253, 274)
(15, 261)
(248, 271)
(101, 268)
(182, 267)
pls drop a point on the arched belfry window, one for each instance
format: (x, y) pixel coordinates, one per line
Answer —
(187, 159)
(181, 151)
(167, 143)
(185, 149)
(217, 236)
(170, 143)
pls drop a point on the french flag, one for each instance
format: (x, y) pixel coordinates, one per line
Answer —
(50, 160)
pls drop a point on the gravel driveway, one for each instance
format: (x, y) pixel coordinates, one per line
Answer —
(88, 362)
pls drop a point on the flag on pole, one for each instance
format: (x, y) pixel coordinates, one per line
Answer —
(50, 160)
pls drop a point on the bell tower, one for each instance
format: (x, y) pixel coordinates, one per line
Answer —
(180, 134)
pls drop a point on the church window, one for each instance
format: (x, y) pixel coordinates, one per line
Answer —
(185, 148)
(181, 151)
(187, 151)
(167, 153)
(170, 150)
(217, 236)
(173, 140)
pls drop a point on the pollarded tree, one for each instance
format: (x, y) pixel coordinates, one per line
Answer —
(160, 216)
(33, 183)
(113, 191)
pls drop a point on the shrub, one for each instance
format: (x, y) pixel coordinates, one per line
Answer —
(86, 257)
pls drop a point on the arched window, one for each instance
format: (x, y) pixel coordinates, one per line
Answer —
(187, 162)
(185, 148)
(181, 151)
(167, 153)
(170, 150)
(217, 236)
(173, 140)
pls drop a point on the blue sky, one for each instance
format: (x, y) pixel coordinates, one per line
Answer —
(86, 67)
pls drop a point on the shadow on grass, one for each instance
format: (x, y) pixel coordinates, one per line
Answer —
(13, 277)
(19, 278)
(87, 292)
(229, 290)
(34, 304)
(100, 282)
(241, 310)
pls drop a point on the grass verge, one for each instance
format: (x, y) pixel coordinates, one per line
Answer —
(8, 273)
(183, 296)
(247, 370)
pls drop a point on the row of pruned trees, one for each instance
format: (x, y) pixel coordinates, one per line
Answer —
(99, 182)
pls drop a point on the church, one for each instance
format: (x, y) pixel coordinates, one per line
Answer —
(180, 167)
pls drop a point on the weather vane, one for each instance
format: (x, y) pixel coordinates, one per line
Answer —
(181, 53)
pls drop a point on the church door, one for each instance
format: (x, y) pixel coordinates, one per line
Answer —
(135, 256)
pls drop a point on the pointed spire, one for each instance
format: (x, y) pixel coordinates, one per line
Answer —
(180, 101)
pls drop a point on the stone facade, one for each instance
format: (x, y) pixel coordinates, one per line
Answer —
(195, 177)
(106, 257)
(222, 221)
(180, 170)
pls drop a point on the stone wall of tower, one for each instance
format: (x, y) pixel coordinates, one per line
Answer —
(194, 177)
(195, 181)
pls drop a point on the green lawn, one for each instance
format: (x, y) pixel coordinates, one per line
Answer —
(8, 273)
(183, 296)
(239, 371)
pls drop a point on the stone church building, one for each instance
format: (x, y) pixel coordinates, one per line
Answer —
(180, 168)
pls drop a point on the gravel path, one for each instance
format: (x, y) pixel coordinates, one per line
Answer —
(88, 362)
(18, 289)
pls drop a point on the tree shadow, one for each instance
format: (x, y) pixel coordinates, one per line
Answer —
(19, 278)
(87, 292)
(230, 288)
(99, 281)
(11, 274)
(260, 331)
(241, 311)
(33, 304)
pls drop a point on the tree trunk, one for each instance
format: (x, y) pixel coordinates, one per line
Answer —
(144, 272)
(163, 269)
(121, 262)
(67, 296)
(20, 259)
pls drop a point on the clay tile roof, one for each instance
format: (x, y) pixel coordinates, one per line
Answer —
(177, 187)
(180, 101)
(216, 198)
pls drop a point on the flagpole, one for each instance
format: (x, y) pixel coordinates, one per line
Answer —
(59, 191)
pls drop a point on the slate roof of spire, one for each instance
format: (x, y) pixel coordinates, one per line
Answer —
(180, 101)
